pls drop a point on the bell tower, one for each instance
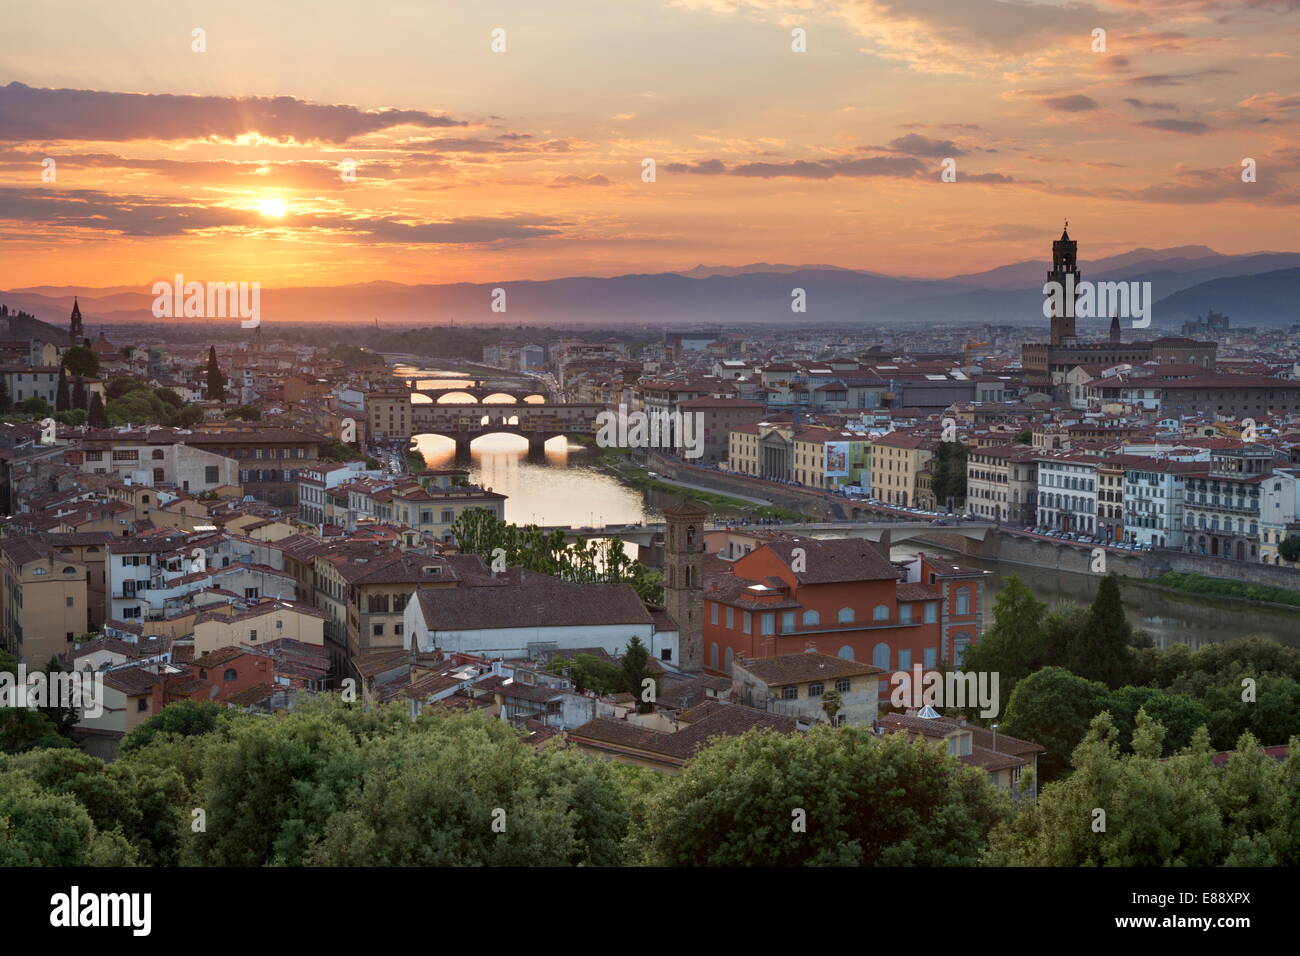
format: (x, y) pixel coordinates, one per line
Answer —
(75, 332)
(1065, 253)
(684, 580)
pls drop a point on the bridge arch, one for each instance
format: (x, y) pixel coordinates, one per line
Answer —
(456, 397)
(499, 398)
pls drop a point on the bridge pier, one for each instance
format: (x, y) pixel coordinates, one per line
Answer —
(462, 446)
(537, 446)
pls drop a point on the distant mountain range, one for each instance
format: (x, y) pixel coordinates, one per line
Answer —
(1254, 289)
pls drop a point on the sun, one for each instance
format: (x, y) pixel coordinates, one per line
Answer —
(272, 208)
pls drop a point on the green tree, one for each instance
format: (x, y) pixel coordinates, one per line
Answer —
(462, 790)
(216, 381)
(589, 673)
(82, 361)
(38, 828)
(830, 797)
(297, 770)
(185, 718)
(1017, 642)
(96, 416)
(1180, 715)
(121, 385)
(62, 398)
(1054, 708)
(1290, 548)
(636, 671)
(35, 406)
(79, 395)
(1102, 648)
(6, 400)
(23, 728)
(832, 704)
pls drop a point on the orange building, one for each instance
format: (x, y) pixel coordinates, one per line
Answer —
(840, 597)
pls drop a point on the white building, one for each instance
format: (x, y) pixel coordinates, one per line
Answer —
(1279, 506)
(1067, 493)
(1153, 503)
(544, 614)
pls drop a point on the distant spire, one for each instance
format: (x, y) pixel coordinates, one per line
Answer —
(75, 331)
(1115, 334)
(1065, 232)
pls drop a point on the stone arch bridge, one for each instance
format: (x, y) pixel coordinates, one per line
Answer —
(537, 423)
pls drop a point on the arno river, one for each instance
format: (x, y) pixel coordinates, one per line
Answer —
(568, 489)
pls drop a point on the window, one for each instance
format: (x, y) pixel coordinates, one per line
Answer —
(377, 630)
(767, 623)
(880, 656)
(252, 635)
(931, 655)
(904, 614)
(846, 615)
(811, 617)
(731, 618)
(931, 612)
(846, 653)
(747, 623)
(713, 612)
(905, 660)
(69, 602)
(230, 674)
(789, 693)
(211, 474)
(142, 704)
(843, 685)
(881, 613)
(787, 621)
(963, 600)
(816, 689)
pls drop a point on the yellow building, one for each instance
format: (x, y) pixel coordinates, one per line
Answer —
(44, 601)
(266, 622)
(897, 462)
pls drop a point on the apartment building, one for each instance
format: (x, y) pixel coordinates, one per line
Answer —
(1067, 493)
(897, 460)
(718, 416)
(1222, 502)
(157, 457)
(1153, 501)
(1002, 483)
(44, 601)
(388, 414)
(269, 459)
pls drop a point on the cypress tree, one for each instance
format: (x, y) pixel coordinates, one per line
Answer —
(216, 381)
(96, 416)
(61, 400)
(1101, 649)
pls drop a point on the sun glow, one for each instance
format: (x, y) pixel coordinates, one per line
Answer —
(273, 208)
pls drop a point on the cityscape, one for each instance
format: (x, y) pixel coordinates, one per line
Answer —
(387, 480)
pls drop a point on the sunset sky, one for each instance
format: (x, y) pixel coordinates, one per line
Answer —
(478, 166)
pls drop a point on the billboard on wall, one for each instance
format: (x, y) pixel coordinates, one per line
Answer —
(837, 459)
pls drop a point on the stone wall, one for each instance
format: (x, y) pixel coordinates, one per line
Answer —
(1244, 571)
